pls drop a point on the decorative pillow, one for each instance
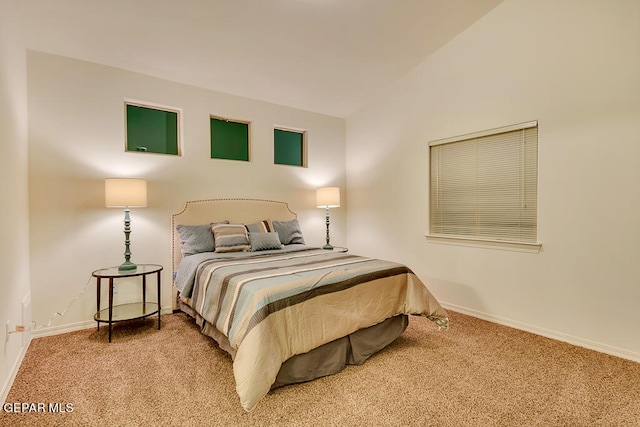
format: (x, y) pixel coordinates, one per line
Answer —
(196, 238)
(263, 226)
(289, 231)
(230, 238)
(263, 241)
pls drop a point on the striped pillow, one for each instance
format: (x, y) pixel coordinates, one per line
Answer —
(230, 238)
(263, 226)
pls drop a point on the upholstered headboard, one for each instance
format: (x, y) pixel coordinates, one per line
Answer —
(236, 211)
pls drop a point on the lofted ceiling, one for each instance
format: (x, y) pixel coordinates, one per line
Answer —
(326, 56)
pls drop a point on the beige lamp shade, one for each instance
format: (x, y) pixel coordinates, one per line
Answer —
(328, 197)
(125, 192)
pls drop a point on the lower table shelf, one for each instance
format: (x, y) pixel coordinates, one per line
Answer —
(131, 311)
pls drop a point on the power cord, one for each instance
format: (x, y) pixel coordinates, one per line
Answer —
(34, 326)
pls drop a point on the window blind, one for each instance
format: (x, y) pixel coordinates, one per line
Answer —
(485, 185)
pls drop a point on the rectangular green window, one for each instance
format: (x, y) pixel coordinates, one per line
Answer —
(288, 147)
(229, 139)
(152, 129)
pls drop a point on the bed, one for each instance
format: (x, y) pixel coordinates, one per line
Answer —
(285, 311)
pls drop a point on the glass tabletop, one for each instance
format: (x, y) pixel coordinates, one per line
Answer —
(139, 271)
(129, 311)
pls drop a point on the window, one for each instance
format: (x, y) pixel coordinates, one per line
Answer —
(229, 139)
(289, 147)
(151, 128)
(484, 186)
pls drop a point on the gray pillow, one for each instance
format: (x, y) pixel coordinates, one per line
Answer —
(196, 238)
(263, 241)
(289, 232)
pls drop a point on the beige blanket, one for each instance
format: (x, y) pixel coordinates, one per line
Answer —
(274, 307)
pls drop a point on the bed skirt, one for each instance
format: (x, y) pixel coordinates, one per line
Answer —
(328, 359)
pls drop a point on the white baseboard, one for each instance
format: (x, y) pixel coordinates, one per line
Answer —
(71, 327)
(6, 387)
(580, 342)
(62, 329)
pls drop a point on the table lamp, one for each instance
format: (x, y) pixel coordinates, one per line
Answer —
(328, 197)
(125, 193)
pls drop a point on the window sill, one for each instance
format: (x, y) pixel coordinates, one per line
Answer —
(533, 248)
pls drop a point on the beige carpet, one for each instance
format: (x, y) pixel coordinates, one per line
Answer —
(475, 374)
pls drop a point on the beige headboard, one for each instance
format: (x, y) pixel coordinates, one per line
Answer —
(237, 211)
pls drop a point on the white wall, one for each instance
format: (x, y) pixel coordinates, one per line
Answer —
(14, 224)
(573, 66)
(76, 139)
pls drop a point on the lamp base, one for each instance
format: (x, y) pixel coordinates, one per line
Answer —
(127, 266)
(327, 247)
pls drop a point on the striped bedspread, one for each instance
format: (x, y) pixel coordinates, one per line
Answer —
(272, 307)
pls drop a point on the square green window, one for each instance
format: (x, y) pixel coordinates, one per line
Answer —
(229, 139)
(152, 129)
(288, 147)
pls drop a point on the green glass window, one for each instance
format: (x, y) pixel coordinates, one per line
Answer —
(229, 139)
(288, 147)
(152, 129)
